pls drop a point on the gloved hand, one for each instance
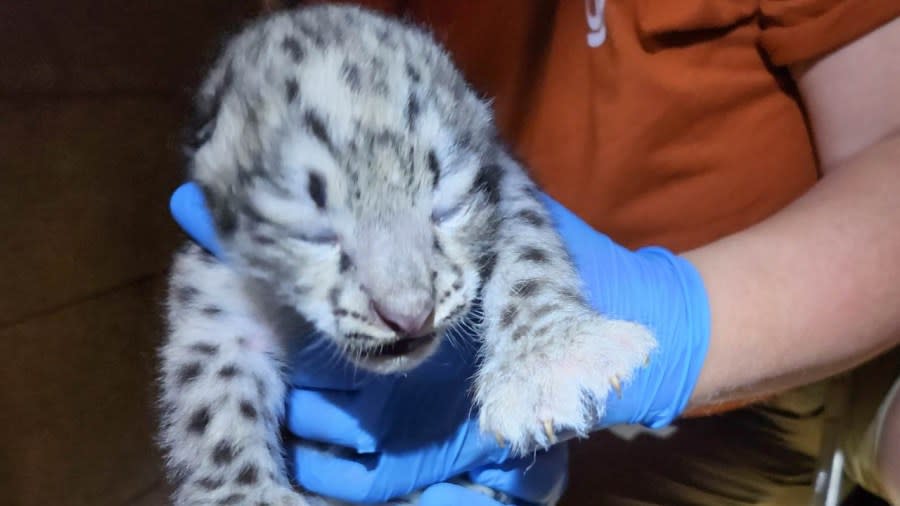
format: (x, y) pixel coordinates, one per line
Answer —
(420, 429)
(385, 422)
(416, 429)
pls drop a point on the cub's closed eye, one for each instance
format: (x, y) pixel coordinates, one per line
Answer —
(324, 237)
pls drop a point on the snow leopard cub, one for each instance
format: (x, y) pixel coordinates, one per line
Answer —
(358, 187)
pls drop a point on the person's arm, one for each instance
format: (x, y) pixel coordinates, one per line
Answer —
(815, 289)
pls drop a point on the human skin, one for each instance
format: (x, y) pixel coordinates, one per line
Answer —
(815, 289)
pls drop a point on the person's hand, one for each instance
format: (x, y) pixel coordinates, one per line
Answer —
(654, 287)
(417, 426)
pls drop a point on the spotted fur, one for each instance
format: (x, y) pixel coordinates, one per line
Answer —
(359, 188)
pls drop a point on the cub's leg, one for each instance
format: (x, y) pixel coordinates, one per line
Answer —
(549, 360)
(222, 392)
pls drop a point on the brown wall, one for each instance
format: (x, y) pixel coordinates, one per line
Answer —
(92, 96)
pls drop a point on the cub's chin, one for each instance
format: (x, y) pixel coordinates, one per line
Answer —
(399, 355)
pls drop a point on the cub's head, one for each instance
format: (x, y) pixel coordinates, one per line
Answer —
(349, 167)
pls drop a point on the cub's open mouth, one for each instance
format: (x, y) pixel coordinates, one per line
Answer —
(400, 355)
(400, 347)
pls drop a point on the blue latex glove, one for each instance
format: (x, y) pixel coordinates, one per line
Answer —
(419, 429)
(372, 416)
(422, 431)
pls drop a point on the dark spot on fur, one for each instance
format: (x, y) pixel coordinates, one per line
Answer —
(245, 178)
(263, 240)
(508, 315)
(209, 483)
(351, 74)
(188, 373)
(290, 89)
(456, 284)
(178, 473)
(205, 348)
(293, 48)
(532, 254)
(232, 499)
(314, 35)
(386, 137)
(248, 410)
(317, 127)
(436, 244)
(229, 371)
(543, 311)
(247, 475)
(434, 168)
(520, 332)
(543, 330)
(526, 288)
(333, 295)
(412, 110)
(532, 191)
(486, 264)
(340, 312)
(199, 421)
(211, 310)
(488, 182)
(465, 140)
(345, 262)
(316, 188)
(531, 217)
(381, 88)
(186, 294)
(412, 73)
(223, 453)
(223, 213)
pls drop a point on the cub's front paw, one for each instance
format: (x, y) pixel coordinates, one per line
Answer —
(532, 389)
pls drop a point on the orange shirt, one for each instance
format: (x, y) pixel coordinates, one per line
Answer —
(670, 123)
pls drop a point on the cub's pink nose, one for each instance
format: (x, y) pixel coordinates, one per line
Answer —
(407, 322)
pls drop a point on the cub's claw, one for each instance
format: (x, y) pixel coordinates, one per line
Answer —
(617, 385)
(548, 430)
